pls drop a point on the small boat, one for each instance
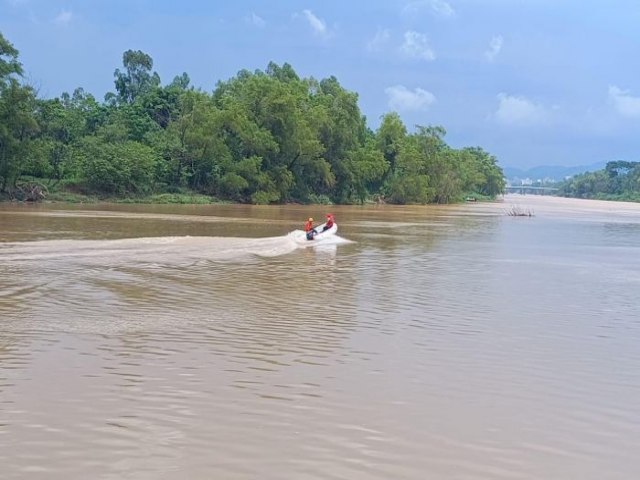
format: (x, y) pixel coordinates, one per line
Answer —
(323, 233)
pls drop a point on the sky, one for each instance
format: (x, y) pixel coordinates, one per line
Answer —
(533, 82)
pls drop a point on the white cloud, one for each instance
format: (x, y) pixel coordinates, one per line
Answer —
(495, 45)
(318, 25)
(625, 104)
(63, 18)
(255, 20)
(416, 45)
(439, 7)
(379, 41)
(514, 110)
(403, 99)
(442, 8)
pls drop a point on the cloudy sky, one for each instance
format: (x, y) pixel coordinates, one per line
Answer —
(535, 82)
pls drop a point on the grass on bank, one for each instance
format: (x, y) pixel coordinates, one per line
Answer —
(48, 190)
(156, 198)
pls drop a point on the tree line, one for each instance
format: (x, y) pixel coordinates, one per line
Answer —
(619, 180)
(260, 137)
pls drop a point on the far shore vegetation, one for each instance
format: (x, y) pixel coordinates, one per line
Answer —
(261, 137)
(619, 180)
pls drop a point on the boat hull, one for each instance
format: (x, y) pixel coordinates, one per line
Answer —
(323, 233)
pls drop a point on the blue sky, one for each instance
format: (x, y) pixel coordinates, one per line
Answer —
(534, 82)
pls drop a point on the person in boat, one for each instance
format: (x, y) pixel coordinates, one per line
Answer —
(329, 223)
(309, 230)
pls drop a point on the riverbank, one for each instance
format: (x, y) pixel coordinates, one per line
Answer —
(42, 193)
(159, 198)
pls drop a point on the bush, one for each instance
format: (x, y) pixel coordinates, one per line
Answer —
(117, 168)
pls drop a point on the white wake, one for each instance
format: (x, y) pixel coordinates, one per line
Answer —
(163, 250)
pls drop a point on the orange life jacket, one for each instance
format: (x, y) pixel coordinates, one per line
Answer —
(308, 226)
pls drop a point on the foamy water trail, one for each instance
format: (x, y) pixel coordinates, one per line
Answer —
(164, 250)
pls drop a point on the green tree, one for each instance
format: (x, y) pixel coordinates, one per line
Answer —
(282, 133)
(116, 167)
(200, 150)
(367, 166)
(17, 128)
(10, 67)
(490, 180)
(136, 78)
(619, 180)
(410, 182)
(390, 137)
(17, 122)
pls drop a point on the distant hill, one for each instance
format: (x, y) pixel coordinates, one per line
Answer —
(554, 172)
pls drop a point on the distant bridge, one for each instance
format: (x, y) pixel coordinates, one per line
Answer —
(528, 189)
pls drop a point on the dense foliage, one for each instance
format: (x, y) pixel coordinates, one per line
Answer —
(619, 180)
(260, 137)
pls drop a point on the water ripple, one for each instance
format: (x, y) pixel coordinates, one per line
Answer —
(445, 343)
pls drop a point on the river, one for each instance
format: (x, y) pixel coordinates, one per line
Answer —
(205, 342)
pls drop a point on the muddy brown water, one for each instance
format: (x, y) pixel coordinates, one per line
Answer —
(206, 342)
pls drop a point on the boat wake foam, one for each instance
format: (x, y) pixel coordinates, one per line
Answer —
(160, 250)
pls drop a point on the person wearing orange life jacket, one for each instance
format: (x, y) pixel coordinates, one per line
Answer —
(309, 230)
(329, 223)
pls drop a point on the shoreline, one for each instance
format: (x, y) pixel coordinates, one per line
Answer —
(154, 199)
